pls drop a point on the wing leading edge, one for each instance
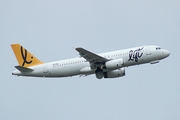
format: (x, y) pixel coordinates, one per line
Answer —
(91, 57)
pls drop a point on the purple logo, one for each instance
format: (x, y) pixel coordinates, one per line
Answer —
(136, 54)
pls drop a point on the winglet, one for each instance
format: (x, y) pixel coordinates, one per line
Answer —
(24, 58)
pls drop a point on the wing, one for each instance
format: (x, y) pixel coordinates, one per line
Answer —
(91, 57)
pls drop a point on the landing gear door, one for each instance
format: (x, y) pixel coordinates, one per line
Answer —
(148, 50)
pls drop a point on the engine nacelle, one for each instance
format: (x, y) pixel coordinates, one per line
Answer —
(115, 73)
(113, 64)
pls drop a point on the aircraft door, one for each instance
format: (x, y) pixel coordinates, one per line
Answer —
(45, 69)
(148, 50)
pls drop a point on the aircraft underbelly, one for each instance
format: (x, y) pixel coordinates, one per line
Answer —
(64, 71)
(69, 71)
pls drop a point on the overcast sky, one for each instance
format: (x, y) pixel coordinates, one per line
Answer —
(51, 28)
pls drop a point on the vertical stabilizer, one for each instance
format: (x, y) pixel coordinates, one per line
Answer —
(24, 57)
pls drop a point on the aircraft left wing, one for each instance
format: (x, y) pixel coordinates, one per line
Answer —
(91, 57)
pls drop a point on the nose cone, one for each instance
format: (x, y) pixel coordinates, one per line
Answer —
(166, 53)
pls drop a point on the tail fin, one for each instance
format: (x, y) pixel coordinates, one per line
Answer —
(24, 58)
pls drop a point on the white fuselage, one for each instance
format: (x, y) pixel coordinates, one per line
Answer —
(77, 66)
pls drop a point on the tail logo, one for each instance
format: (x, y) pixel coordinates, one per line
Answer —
(24, 57)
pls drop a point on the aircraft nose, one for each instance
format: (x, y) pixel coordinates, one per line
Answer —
(166, 53)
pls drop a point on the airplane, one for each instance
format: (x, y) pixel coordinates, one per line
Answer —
(104, 65)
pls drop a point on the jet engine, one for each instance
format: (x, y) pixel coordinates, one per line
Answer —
(115, 73)
(113, 64)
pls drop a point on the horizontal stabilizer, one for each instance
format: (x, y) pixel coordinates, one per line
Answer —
(23, 69)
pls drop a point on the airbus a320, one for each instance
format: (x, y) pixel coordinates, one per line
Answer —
(105, 65)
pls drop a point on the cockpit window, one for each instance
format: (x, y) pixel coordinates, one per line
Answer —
(158, 48)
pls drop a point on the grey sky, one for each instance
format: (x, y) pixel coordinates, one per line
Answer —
(49, 29)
